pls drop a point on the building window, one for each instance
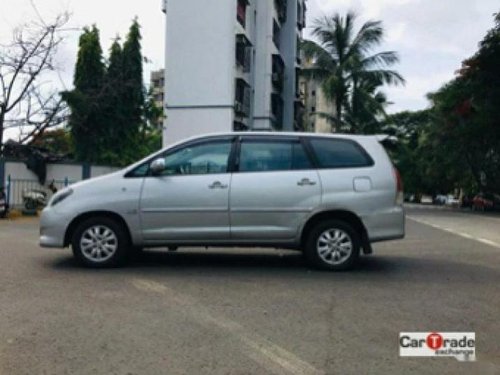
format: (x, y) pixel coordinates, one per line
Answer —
(241, 14)
(313, 109)
(313, 93)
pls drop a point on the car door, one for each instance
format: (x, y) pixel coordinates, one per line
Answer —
(188, 201)
(273, 189)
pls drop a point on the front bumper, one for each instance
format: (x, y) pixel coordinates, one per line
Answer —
(52, 228)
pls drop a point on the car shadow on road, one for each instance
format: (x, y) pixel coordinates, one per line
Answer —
(229, 262)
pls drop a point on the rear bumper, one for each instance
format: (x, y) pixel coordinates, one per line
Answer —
(384, 225)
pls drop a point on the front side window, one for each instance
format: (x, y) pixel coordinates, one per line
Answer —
(262, 156)
(339, 153)
(205, 158)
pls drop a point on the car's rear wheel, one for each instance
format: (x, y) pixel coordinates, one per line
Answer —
(332, 245)
(100, 242)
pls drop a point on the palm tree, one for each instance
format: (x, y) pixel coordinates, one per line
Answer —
(349, 73)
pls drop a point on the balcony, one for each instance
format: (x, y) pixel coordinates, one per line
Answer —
(276, 34)
(242, 98)
(298, 94)
(278, 75)
(241, 12)
(299, 53)
(243, 52)
(277, 110)
(298, 116)
(301, 16)
(239, 126)
(281, 8)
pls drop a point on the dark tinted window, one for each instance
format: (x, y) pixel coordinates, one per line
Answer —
(338, 153)
(260, 156)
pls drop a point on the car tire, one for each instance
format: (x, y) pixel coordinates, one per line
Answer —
(100, 242)
(332, 245)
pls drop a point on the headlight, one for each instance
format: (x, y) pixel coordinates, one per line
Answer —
(59, 197)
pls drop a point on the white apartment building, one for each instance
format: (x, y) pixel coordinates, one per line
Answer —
(232, 65)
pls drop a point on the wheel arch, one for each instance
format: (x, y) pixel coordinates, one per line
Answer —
(346, 216)
(98, 213)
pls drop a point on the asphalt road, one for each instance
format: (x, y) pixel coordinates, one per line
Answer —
(227, 311)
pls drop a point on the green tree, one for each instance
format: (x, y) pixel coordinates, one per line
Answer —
(109, 113)
(151, 133)
(133, 94)
(85, 100)
(342, 60)
(409, 128)
(467, 116)
(57, 141)
(114, 111)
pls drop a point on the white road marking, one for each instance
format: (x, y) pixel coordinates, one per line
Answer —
(461, 234)
(268, 354)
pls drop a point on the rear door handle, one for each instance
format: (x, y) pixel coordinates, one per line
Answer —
(217, 185)
(306, 182)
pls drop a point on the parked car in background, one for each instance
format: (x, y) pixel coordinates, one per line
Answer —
(408, 197)
(451, 200)
(439, 199)
(426, 199)
(329, 196)
(467, 200)
(486, 202)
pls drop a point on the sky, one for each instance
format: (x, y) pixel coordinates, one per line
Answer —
(432, 37)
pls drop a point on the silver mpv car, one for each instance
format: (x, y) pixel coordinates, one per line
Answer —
(330, 196)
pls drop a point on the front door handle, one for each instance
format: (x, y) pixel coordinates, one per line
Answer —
(306, 182)
(217, 185)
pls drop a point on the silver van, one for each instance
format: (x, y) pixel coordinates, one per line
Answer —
(329, 196)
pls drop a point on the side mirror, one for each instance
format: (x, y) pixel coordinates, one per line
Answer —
(157, 166)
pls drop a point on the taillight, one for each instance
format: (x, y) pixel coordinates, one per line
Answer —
(399, 186)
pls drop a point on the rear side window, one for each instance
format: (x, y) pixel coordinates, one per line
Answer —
(263, 156)
(340, 153)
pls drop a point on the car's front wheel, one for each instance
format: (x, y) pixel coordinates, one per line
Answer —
(332, 245)
(100, 242)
